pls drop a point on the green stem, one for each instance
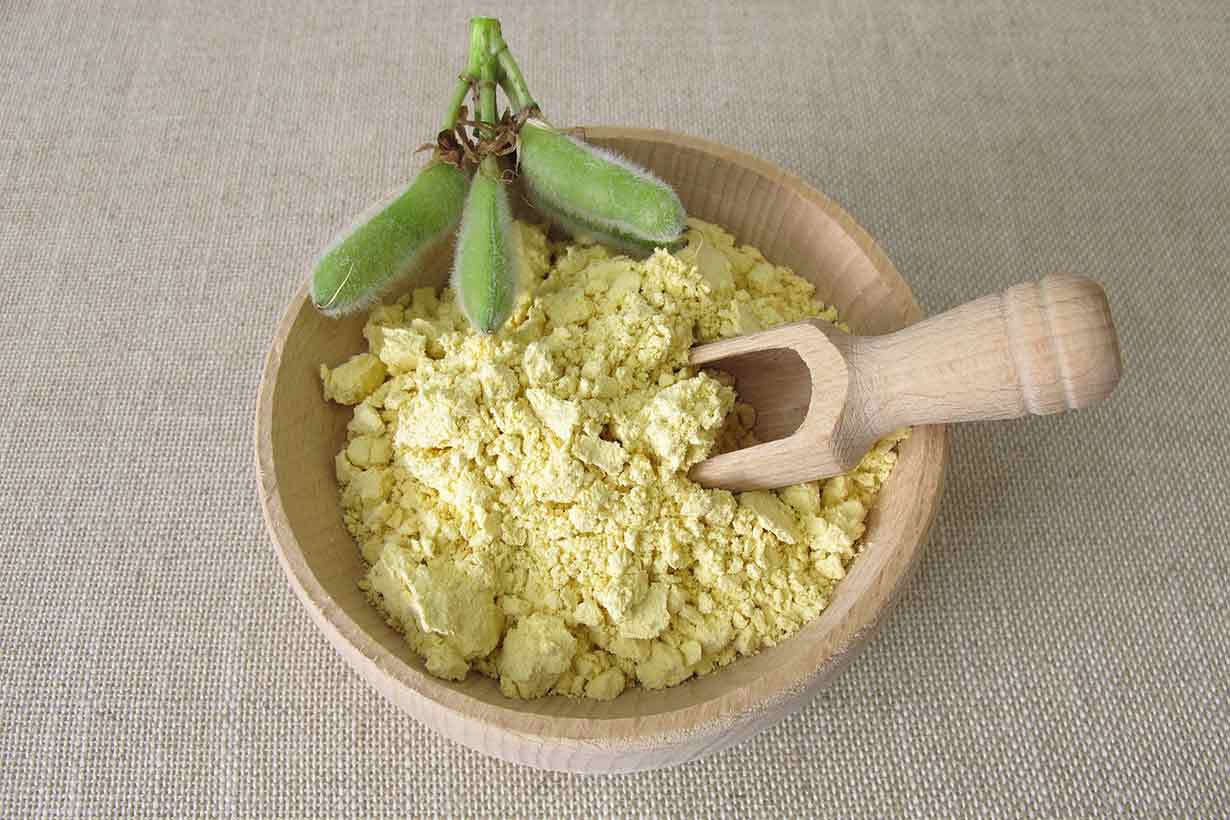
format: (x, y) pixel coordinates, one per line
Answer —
(484, 38)
(458, 100)
(512, 80)
(486, 100)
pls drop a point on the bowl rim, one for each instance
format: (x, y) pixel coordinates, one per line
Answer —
(422, 693)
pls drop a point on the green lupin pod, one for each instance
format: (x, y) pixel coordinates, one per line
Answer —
(631, 245)
(485, 271)
(388, 245)
(598, 190)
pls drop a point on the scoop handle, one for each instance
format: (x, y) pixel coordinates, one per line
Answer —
(1038, 348)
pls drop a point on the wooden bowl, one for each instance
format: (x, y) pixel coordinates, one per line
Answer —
(298, 433)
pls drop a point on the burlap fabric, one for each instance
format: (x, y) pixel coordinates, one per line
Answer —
(167, 170)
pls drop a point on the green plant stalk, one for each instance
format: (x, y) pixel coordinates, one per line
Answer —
(486, 101)
(513, 81)
(485, 39)
(454, 106)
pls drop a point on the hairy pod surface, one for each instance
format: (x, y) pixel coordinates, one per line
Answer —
(597, 189)
(485, 267)
(630, 245)
(386, 245)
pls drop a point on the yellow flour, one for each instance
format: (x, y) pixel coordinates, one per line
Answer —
(522, 498)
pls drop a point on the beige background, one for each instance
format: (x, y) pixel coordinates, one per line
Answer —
(168, 169)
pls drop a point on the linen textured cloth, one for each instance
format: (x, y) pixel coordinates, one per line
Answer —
(169, 169)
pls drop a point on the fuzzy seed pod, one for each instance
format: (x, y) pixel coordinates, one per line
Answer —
(388, 242)
(485, 270)
(632, 246)
(602, 193)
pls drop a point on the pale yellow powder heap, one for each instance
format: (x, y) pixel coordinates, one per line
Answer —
(522, 498)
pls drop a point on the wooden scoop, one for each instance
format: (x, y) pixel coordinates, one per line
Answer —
(823, 397)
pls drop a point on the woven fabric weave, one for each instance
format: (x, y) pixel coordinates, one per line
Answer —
(167, 171)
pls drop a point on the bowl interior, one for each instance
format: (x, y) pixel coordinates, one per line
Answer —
(299, 433)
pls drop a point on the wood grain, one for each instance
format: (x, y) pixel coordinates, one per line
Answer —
(297, 435)
(823, 397)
